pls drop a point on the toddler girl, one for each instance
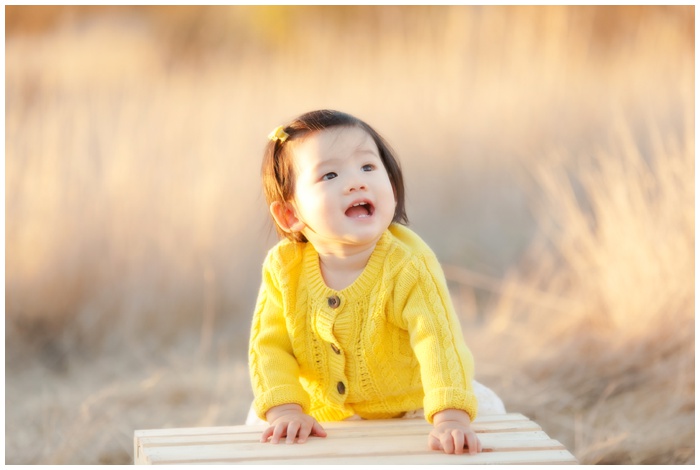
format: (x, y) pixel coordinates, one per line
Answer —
(353, 318)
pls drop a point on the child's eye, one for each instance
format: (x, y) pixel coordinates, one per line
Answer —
(368, 167)
(329, 176)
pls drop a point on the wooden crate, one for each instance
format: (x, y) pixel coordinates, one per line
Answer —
(506, 439)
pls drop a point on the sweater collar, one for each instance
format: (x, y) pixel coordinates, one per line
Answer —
(362, 285)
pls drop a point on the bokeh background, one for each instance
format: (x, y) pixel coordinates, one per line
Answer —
(549, 161)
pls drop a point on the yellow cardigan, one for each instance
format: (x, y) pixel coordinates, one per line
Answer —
(389, 343)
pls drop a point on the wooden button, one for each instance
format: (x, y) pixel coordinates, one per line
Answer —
(334, 301)
(335, 348)
(341, 388)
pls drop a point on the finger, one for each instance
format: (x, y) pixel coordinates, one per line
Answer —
(292, 430)
(473, 443)
(459, 441)
(317, 430)
(434, 442)
(266, 434)
(447, 444)
(279, 432)
(304, 431)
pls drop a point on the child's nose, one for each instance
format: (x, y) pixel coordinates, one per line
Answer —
(356, 185)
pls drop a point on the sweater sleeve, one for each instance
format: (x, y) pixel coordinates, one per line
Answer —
(274, 370)
(446, 364)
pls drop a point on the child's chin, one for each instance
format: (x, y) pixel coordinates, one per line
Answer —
(365, 236)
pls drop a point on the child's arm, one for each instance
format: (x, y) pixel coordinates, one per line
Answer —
(452, 432)
(291, 422)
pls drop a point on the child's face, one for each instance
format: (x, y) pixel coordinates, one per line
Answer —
(342, 194)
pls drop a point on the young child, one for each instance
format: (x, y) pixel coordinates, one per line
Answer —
(353, 318)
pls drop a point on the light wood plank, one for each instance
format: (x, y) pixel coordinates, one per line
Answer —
(233, 439)
(341, 446)
(545, 457)
(237, 429)
(495, 423)
(253, 452)
(536, 457)
(401, 428)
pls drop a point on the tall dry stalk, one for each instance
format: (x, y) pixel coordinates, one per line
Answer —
(609, 368)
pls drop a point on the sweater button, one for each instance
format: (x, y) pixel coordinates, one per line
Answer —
(341, 388)
(335, 348)
(334, 301)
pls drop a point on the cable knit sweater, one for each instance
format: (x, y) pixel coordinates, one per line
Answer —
(389, 343)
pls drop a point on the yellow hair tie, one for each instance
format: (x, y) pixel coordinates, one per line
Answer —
(278, 134)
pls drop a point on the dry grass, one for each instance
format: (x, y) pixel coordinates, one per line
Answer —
(549, 157)
(607, 298)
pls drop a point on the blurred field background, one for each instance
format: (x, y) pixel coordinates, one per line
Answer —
(549, 161)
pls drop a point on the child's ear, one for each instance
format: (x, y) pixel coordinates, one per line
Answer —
(285, 216)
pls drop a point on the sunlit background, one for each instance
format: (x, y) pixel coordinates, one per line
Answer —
(549, 161)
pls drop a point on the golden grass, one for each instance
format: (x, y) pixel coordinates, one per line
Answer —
(549, 158)
(609, 361)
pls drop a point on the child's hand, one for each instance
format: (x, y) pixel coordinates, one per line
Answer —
(291, 422)
(452, 432)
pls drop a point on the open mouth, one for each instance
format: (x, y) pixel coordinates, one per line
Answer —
(360, 209)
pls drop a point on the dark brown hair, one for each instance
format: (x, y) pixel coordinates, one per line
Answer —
(278, 169)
